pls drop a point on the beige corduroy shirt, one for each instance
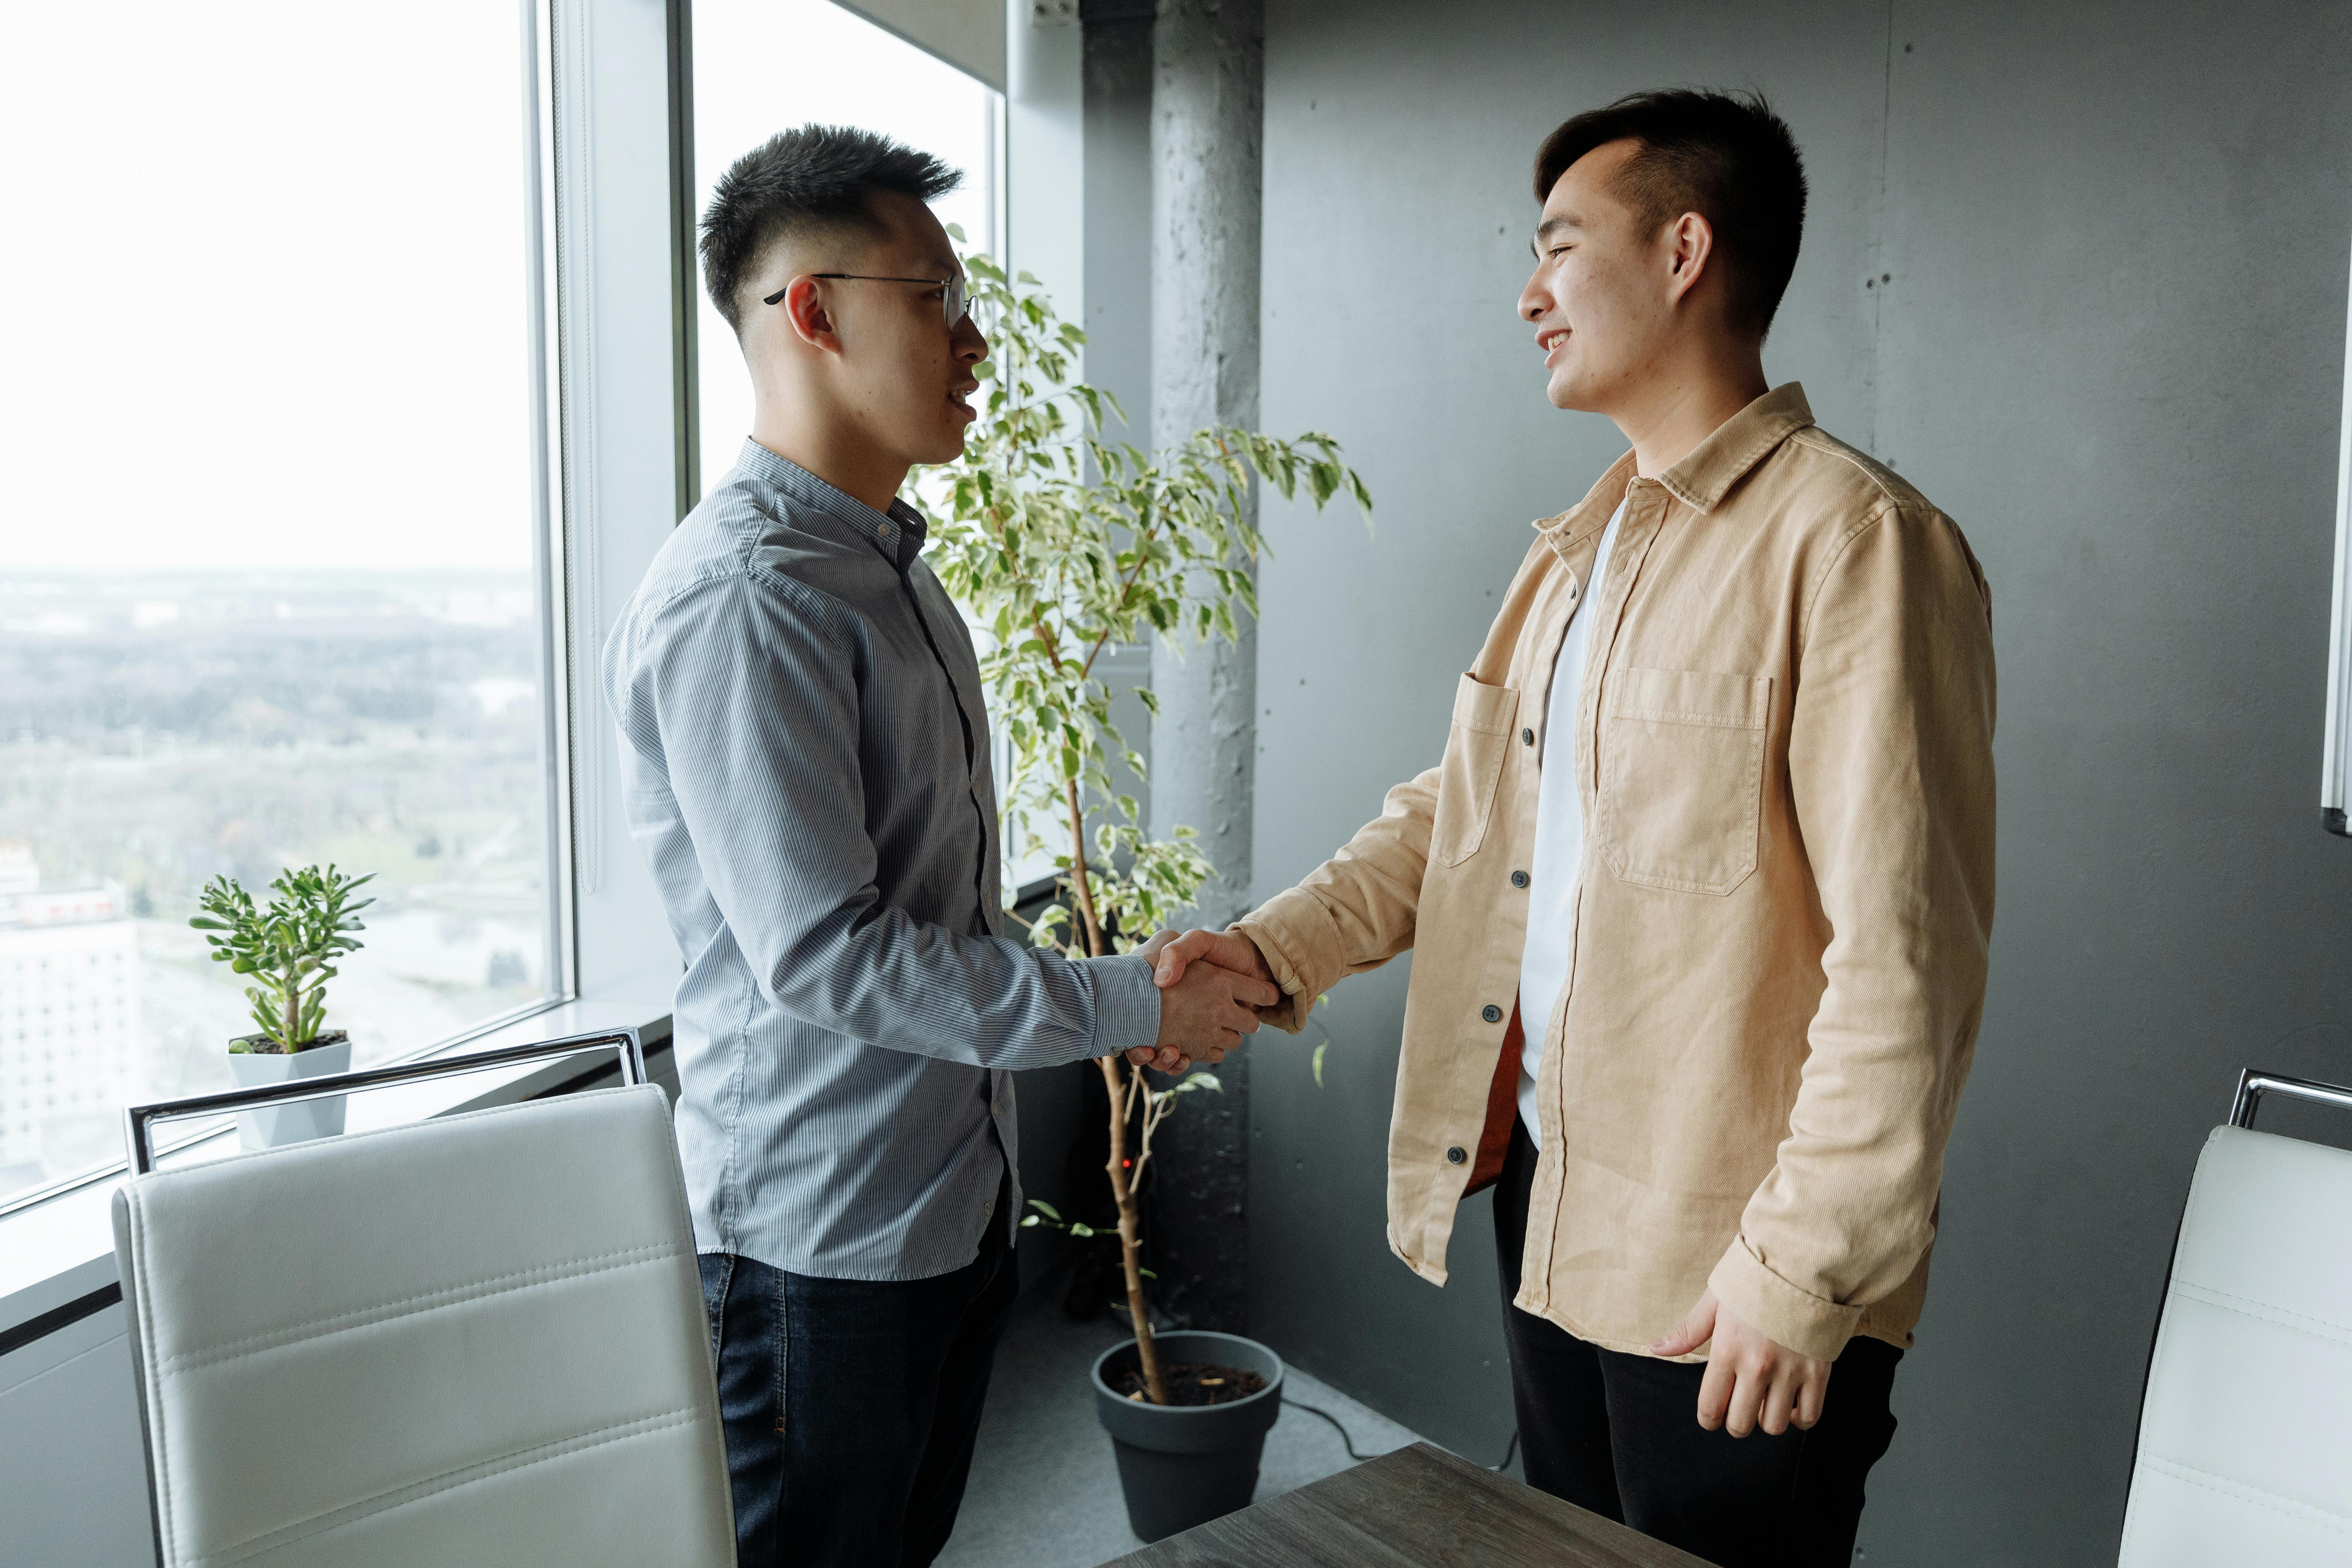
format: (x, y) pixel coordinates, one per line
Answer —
(1784, 757)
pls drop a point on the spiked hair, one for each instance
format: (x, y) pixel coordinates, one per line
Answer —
(1729, 159)
(807, 181)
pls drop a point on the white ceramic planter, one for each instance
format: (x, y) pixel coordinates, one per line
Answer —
(295, 1123)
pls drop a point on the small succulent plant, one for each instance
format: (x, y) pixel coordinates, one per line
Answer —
(289, 948)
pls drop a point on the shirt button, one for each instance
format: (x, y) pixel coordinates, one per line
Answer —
(1492, 1014)
(1518, 878)
(1527, 737)
(1455, 1155)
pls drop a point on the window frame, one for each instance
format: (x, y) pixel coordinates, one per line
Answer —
(2336, 767)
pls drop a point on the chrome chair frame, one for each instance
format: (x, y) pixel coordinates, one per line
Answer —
(2253, 1083)
(138, 1121)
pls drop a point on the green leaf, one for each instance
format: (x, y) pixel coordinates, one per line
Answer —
(1042, 1206)
(1319, 1049)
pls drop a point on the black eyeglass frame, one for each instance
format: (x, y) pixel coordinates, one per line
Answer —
(954, 305)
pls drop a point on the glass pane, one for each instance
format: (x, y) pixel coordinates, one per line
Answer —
(753, 76)
(743, 94)
(266, 586)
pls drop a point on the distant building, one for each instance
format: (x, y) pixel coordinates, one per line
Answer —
(69, 1016)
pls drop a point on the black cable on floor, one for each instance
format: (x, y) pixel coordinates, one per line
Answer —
(1345, 1440)
(1348, 1443)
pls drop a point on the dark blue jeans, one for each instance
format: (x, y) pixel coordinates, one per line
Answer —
(851, 1405)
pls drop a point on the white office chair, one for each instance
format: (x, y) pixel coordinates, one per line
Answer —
(474, 1339)
(2244, 1453)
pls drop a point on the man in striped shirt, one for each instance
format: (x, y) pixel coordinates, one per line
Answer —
(805, 759)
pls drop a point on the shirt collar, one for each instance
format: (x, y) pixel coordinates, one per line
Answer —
(1703, 476)
(1591, 514)
(898, 534)
(1706, 474)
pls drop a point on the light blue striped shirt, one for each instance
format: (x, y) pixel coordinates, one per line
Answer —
(805, 762)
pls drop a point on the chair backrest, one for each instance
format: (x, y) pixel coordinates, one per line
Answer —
(474, 1339)
(2244, 1451)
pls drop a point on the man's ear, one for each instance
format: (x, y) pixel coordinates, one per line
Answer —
(1689, 242)
(803, 307)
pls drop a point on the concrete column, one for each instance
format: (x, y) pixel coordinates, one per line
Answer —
(1207, 138)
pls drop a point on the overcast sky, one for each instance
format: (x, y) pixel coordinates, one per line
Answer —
(262, 280)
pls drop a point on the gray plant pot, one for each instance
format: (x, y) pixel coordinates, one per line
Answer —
(296, 1124)
(1181, 1466)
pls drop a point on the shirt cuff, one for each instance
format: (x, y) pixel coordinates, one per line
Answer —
(1770, 1304)
(1126, 1003)
(1284, 931)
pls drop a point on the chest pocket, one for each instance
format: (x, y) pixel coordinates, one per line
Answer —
(1475, 745)
(1681, 777)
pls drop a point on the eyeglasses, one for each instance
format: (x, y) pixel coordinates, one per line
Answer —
(953, 304)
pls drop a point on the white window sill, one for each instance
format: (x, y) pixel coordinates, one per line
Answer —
(58, 1251)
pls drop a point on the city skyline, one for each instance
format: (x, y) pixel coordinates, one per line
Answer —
(159, 729)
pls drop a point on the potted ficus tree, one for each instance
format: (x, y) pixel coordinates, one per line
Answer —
(1062, 545)
(288, 950)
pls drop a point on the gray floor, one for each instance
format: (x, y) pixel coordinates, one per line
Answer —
(1044, 1490)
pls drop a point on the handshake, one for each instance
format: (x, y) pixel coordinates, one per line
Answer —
(1213, 985)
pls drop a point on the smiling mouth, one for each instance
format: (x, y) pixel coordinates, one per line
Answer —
(1551, 340)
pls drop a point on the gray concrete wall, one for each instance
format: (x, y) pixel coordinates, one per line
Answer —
(2080, 271)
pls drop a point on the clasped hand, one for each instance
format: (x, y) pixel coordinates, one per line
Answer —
(1205, 1008)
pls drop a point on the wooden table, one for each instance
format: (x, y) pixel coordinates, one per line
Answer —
(1418, 1508)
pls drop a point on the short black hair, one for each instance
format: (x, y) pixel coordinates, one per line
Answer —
(819, 176)
(1727, 158)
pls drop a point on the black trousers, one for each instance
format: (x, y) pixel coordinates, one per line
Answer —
(851, 1405)
(1619, 1434)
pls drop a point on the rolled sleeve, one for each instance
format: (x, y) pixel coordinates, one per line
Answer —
(1891, 773)
(1806, 1323)
(1354, 912)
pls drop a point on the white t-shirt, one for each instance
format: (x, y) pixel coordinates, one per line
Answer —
(1559, 842)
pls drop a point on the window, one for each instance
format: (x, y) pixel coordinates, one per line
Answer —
(2336, 773)
(754, 75)
(266, 592)
(743, 94)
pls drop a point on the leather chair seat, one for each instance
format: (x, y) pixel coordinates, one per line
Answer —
(2245, 1453)
(475, 1340)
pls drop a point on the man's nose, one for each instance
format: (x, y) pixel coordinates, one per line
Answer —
(971, 346)
(1533, 301)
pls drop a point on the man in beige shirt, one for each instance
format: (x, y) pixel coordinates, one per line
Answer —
(1710, 850)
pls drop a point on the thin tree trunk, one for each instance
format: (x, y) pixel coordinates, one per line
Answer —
(1131, 1233)
(1079, 882)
